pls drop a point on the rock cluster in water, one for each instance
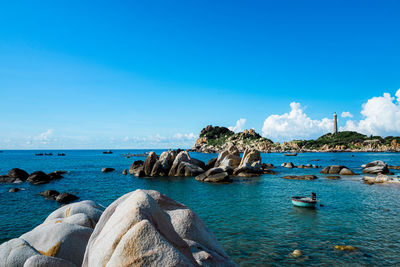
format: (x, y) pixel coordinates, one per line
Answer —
(217, 170)
(141, 228)
(17, 175)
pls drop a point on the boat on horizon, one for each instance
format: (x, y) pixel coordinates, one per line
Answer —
(107, 152)
(60, 154)
(305, 202)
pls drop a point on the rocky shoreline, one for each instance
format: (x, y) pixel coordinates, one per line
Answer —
(215, 139)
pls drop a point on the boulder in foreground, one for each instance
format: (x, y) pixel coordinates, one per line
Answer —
(146, 228)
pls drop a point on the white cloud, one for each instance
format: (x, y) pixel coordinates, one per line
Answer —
(45, 137)
(346, 114)
(239, 125)
(295, 125)
(381, 116)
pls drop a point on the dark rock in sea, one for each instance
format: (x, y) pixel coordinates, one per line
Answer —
(38, 177)
(136, 168)
(13, 190)
(56, 175)
(332, 177)
(183, 156)
(267, 165)
(197, 163)
(18, 173)
(65, 198)
(215, 175)
(337, 169)
(188, 169)
(151, 159)
(210, 164)
(376, 167)
(268, 171)
(300, 177)
(107, 169)
(124, 172)
(50, 194)
(7, 179)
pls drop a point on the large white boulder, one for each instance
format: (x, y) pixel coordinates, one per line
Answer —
(15, 252)
(146, 228)
(46, 261)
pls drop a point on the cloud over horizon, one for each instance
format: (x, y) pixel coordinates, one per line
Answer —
(239, 126)
(294, 125)
(381, 116)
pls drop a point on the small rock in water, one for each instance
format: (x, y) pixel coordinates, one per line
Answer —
(297, 253)
(50, 194)
(66, 198)
(345, 248)
(107, 169)
(124, 172)
(333, 177)
(13, 190)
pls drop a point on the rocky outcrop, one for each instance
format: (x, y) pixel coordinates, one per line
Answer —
(375, 167)
(229, 157)
(55, 175)
(216, 175)
(146, 228)
(59, 241)
(337, 169)
(136, 168)
(210, 164)
(148, 165)
(183, 156)
(163, 164)
(300, 177)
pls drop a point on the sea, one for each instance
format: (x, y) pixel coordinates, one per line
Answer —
(252, 218)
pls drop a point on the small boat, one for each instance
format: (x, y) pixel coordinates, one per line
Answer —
(305, 202)
(39, 154)
(294, 154)
(107, 152)
(60, 154)
(48, 154)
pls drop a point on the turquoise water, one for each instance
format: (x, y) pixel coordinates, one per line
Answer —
(253, 219)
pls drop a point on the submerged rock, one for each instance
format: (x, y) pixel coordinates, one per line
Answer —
(296, 253)
(332, 177)
(56, 175)
(146, 228)
(344, 247)
(300, 177)
(50, 194)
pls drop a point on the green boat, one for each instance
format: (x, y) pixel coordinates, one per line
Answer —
(305, 202)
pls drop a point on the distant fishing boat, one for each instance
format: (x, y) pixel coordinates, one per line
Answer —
(48, 154)
(288, 154)
(107, 152)
(305, 202)
(39, 154)
(60, 154)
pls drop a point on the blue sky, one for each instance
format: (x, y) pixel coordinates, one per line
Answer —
(132, 74)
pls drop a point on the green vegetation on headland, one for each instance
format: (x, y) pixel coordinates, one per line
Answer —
(215, 138)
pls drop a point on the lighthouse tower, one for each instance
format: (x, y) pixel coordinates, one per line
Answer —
(334, 123)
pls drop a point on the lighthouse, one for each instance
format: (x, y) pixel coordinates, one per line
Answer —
(334, 123)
